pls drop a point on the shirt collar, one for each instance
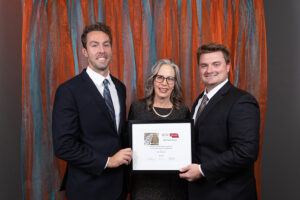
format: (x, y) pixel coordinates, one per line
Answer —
(215, 90)
(97, 78)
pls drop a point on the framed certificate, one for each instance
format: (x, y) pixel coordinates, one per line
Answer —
(160, 145)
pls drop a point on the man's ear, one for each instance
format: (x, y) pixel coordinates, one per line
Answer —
(84, 52)
(228, 66)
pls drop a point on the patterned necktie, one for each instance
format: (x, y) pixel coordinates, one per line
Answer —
(201, 107)
(108, 100)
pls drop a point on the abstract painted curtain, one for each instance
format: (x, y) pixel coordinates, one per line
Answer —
(143, 31)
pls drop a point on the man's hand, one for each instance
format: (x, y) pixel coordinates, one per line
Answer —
(190, 172)
(121, 157)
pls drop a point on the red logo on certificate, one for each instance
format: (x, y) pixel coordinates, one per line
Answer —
(174, 135)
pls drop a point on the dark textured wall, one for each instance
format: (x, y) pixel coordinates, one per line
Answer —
(10, 98)
(281, 148)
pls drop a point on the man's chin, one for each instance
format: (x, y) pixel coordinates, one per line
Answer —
(208, 82)
(101, 68)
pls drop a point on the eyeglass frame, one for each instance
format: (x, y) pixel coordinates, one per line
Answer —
(169, 78)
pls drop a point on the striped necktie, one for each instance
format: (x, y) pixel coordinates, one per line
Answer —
(108, 100)
(201, 107)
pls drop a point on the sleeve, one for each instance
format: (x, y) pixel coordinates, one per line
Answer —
(243, 135)
(126, 137)
(131, 112)
(66, 135)
(187, 112)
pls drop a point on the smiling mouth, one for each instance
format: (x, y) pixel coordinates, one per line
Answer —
(101, 59)
(163, 90)
(210, 75)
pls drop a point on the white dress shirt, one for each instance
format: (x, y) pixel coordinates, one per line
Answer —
(98, 81)
(209, 95)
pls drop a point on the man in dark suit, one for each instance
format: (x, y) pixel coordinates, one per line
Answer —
(88, 121)
(226, 134)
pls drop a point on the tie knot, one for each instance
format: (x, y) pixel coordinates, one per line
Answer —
(205, 98)
(105, 82)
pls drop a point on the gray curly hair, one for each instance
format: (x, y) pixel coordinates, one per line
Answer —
(176, 95)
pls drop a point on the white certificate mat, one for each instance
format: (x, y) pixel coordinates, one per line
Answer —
(161, 146)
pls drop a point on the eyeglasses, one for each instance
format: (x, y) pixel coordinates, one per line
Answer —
(160, 79)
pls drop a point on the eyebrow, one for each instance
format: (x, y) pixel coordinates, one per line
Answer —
(93, 41)
(165, 76)
(203, 64)
(211, 63)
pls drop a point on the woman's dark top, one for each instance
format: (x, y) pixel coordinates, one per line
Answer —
(157, 186)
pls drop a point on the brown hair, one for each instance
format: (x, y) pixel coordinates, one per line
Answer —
(99, 26)
(213, 47)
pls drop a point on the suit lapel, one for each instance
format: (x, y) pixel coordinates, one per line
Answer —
(214, 100)
(100, 102)
(195, 104)
(121, 99)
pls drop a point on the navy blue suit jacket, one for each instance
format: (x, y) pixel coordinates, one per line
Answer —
(226, 143)
(84, 135)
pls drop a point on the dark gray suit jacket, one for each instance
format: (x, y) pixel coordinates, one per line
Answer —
(226, 143)
(84, 135)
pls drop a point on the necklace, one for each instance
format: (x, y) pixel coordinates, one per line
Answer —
(160, 114)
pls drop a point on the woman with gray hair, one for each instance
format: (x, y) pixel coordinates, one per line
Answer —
(162, 101)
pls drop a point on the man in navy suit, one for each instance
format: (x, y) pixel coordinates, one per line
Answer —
(226, 134)
(89, 116)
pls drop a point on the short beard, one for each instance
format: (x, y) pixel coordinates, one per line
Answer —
(103, 68)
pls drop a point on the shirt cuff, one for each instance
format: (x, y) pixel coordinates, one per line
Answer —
(106, 162)
(201, 170)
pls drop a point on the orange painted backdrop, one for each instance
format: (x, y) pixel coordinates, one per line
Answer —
(143, 31)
